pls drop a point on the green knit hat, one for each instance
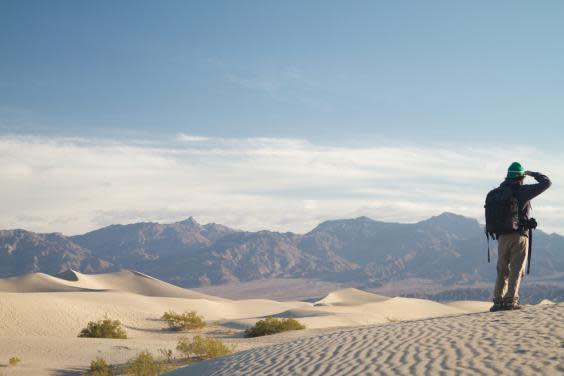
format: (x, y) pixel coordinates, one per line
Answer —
(515, 171)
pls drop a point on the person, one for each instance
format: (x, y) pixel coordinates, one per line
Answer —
(513, 246)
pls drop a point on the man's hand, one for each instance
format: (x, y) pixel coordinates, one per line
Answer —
(528, 173)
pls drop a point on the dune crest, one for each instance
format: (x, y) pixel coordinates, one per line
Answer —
(350, 297)
(38, 282)
(546, 302)
(68, 275)
(124, 281)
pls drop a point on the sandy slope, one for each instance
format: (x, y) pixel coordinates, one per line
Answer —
(350, 297)
(41, 315)
(126, 281)
(529, 342)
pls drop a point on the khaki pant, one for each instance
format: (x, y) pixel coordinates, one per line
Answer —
(511, 259)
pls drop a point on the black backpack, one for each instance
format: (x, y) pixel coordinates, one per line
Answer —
(502, 212)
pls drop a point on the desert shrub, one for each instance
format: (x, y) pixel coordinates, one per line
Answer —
(272, 325)
(14, 361)
(166, 354)
(145, 365)
(99, 367)
(183, 321)
(203, 347)
(105, 328)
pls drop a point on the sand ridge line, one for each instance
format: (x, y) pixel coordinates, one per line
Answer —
(73, 281)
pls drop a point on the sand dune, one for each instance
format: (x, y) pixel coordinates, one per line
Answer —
(360, 308)
(350, 297)
(302, 313)
(527, 342)
(64, 314)
(41, 316)
(126, 281)
(546, 301)
(37, 282)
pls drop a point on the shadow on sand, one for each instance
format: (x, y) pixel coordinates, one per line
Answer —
(68, 371)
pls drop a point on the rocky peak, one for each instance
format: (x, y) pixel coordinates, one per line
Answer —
(190, 221)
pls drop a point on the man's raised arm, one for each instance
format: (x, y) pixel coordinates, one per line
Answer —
(530, 191)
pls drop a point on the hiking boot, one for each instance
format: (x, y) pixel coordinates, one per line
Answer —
(511, 303)
(497, 306)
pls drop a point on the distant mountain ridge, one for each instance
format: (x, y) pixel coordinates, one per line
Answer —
(448, 248)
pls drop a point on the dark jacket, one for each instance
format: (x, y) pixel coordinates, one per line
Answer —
(526, 192)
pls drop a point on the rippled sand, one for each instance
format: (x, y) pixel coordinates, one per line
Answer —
(528, 342)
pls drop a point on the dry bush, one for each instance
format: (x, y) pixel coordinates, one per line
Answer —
(167, 354)
(184, 321)
(105, 328)
(144, 364)
(203, 348)
(99, 367)
(14, 361)
(272, 325)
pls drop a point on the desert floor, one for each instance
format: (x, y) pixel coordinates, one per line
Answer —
(348, 331)
(527, 342)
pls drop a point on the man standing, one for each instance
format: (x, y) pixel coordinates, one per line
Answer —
(513, 245)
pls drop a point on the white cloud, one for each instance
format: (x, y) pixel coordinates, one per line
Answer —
(75, 185)
(190, 138)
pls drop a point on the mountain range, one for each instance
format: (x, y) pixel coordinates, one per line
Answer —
(448, 249)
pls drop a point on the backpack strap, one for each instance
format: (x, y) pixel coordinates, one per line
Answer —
(488, 248)
(530, 250)
(488, 240)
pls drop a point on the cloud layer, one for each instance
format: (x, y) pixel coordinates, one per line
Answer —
(75, 185)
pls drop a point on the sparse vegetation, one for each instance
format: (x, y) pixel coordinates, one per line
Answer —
(99, 367)
(14, 361)
(183, 321)
(144, 364)
(272, 325)
(167, 354)
(106, 328)
(203, 348)
(392, 319)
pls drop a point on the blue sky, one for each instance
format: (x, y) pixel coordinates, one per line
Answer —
(349, 76)
(425, 71)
